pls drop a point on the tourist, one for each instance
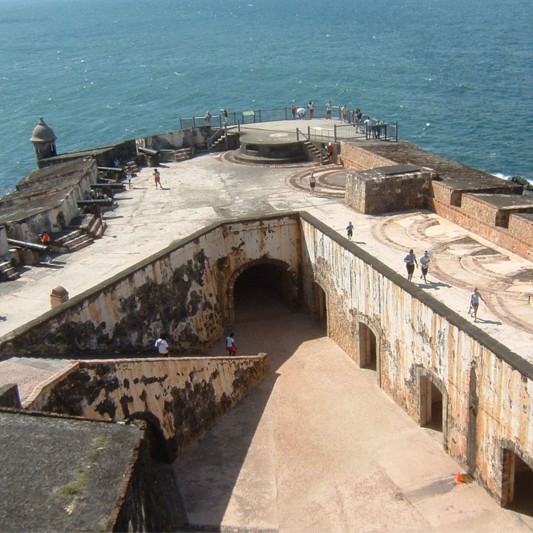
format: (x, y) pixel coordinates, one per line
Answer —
(157, 179)
(128, 177)
(301, 112)
(45, 238)
(474, 303)
(230, 344)
(311, 108)
(344, 113)
(328, 109)
(331, 151)
(293, 111)
(349, 230)
(424, 265)
(312, 183)
(162, 345)
(45, 241)
(410, 262)
(207, 118)
(224, 113)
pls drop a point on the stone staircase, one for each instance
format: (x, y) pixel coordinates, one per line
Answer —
(312, 151)
(81, 232)
(176, 155)
(8, 271)
(219, 144)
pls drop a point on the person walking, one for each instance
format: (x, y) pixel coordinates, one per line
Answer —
(349, 230)
(293, 111)
(474, 303)
(157, 179)
(312, 183)
(410, 262)
(230, 344)
(424, 266)
(162, 345)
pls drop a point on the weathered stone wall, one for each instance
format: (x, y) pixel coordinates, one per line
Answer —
(521, 227)
(149, 499)
(372, 192)
(185, 290)
(185, 138)
(486, 388)
(178, 397)
(355, 158)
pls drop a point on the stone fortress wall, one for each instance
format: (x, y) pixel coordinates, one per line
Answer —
(421, 350)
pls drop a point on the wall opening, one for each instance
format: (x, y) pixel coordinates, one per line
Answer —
(517, 490)
(319, 310)
(368, 357)
(431, 405)
(262, 290)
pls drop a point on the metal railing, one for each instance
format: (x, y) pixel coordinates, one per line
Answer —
(368, 128)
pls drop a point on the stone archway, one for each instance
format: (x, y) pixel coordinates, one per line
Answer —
(161, 449)
(517, 482)
(265, 279)
(433, 402)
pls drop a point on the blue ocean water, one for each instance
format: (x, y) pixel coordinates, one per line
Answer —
(456, 75)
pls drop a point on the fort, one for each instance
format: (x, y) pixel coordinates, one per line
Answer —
(329, 329)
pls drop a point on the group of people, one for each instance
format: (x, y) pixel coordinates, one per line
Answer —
(411, 263)
(161, 344)
(223, 114)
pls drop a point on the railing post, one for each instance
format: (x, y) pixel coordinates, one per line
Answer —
(226, 142)
(193, 123)
(181, 124)
(260, 120)
(286, 116)
(297, 134)
(396, 131)
(335, 133)
(308, 133)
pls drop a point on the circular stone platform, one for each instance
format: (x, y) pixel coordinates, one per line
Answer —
(267, 147)
(330, 181)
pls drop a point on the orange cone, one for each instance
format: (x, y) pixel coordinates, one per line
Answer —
(458, 478)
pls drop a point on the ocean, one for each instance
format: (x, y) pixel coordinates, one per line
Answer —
(456, 75)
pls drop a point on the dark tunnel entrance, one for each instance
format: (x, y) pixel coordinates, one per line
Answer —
(264, 290)
(517, 493)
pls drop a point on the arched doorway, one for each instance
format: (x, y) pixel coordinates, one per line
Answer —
(431, 405)
(517, 486)
(368, 357)
(263, 289)
(161, 449)
(319, 310)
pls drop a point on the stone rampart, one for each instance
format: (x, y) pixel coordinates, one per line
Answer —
(486, 388)
(178, 398)
(186, 290)
(418, 346)
(355, 158)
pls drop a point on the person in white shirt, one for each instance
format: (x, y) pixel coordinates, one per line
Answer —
(162, 346)
(424, 265)
(474, 303)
